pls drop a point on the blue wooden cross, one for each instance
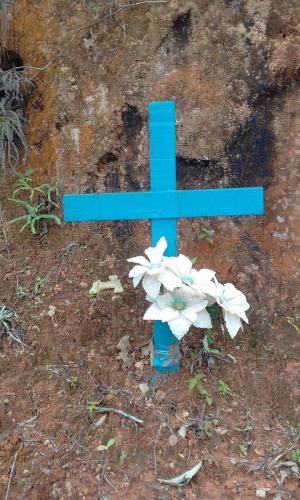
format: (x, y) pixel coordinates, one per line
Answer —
(163, 205)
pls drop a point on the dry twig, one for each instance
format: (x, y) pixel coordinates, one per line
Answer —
(103, 409)
(11, 474)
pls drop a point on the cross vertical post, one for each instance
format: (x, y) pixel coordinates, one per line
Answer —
(162, 148)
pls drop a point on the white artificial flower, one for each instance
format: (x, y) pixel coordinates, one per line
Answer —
(234, 305)
(180, 309)
(149, 270)
(200, 281)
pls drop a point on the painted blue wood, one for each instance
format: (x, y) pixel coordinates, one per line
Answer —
(162, 146)
(163, 204)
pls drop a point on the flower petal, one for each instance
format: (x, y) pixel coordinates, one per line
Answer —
(190, 314)
(137, 270)
(169, 280)
(168, 313)
(233, 323)
(184, 264)
(139, 260)
(153, 312)
(136, 280)
(155, 254)
(203, 320)
(164, 300)
(204, 275)
(151, 286)
(179, 326)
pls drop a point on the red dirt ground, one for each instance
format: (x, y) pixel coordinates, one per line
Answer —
(48, 439)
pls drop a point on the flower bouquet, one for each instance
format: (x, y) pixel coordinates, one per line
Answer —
(180, 295)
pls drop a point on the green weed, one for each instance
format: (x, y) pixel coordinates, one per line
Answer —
(37, 202)
(91, 405)
(223, 388)
(207, 235)
(296, 456)
(195, 383)
(105, 447)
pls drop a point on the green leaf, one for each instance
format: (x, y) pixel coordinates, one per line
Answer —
(243, 450)
(110, 443)
(101, 447)
(209, 400)
(104, 447)
(22, 217)
(192, 383)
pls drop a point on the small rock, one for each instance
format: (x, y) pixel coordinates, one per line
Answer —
(83, 284)
(262, 492)
(101, 421)
(52, 311)
(182, 431)
(185, 414)
(144, 388)
(173, 440)
(139, 365)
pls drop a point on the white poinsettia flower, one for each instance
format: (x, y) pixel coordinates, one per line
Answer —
(180, 309)
(154, 272)
(234, 305)
(181, 267)
(149, 270)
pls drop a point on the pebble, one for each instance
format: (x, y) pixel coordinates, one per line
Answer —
(173, 440)
(139, 365)
(83, 284)
(144, 388)
(52, 311)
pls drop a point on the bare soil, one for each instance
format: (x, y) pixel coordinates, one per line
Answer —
(48, 438)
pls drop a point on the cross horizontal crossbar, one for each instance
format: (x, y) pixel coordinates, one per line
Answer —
(163, 204)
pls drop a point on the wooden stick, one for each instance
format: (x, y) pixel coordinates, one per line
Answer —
(11, 475)
(103, 409)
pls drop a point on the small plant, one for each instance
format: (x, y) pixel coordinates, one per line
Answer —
(9, 324)
(293, 320)
(105, 447)
(15, 87)
(37, 202)
(223, 388)
(73, 381)
(38, 285)
(296, 456)
(196, 383)
(24, 185)
(91, 406)
(243, 450)
(123, 456)
(203, 431)
(207, 235)
(34, 216)
(206, 349)
(37, 288)
(21, 292)
(12, 125)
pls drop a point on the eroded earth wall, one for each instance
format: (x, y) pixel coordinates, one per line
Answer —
(232, 68)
